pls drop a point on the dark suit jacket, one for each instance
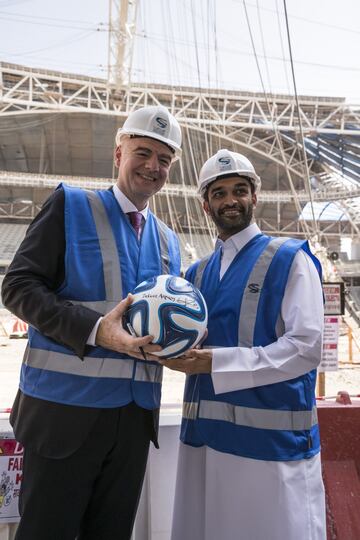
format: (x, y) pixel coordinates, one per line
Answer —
(28, 291)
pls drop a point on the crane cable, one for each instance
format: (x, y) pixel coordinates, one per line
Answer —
(302, 139)
(303, 223)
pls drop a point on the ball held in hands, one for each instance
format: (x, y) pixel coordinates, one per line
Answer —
(172, 310)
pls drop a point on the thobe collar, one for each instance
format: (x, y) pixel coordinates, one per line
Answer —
(239, 240)
(231, 247)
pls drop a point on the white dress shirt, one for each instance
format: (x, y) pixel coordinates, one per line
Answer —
(126, 205)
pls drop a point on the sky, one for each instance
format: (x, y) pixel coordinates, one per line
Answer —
(223, 44)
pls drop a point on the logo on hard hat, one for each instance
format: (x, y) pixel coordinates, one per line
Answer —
(161, 122)
(160, 126)
(224, 163)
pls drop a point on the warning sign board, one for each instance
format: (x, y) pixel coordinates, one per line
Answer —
(329, 359)
(334, 298)
(11, 457)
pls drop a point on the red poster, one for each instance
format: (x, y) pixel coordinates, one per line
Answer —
(11, 456)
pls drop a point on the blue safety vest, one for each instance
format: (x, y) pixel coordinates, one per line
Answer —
(271, 422)
(104, 261)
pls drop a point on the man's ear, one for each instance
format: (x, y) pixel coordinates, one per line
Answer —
(254, 199)
(117, 156)
(206, 207)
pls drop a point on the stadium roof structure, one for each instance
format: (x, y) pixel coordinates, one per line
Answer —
(60, 127)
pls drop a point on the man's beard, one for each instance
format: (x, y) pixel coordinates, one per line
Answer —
(234, 224)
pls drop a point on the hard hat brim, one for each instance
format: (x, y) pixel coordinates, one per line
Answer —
(254, 179)
(142, 133)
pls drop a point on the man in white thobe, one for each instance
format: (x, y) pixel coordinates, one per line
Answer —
(249, 463)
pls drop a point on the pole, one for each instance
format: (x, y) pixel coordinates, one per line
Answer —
(321, 384)
(350, 345)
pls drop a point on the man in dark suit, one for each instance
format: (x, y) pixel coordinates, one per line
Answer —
(87, 408)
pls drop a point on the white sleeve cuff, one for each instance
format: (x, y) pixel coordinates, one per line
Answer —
(230, 369)
(92, 337)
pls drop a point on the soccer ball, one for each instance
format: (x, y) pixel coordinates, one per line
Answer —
(172, 310)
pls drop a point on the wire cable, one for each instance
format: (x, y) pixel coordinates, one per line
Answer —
(303, 223)
(263, 45)
(282, 47)
(307, 177)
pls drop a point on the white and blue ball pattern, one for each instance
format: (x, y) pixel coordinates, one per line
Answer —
(172, 310)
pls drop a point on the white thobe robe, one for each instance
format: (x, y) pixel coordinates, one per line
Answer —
(221, 496)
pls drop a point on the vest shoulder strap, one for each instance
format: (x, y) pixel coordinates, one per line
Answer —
(200, 270)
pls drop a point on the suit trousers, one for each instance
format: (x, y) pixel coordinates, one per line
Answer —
(93, 494)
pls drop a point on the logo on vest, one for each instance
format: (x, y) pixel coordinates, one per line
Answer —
(254, 287)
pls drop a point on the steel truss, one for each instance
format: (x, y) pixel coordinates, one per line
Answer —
(273, 197)
(221, 112)
(19, 210)
(248, 120)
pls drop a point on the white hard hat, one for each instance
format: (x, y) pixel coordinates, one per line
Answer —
(155, 122)
(224, 163)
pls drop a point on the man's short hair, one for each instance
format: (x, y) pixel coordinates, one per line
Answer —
(230, 175)
(130, 136)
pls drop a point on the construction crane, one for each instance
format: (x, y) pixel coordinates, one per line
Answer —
(122, 26)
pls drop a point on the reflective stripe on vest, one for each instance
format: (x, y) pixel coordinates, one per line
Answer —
(190, 409)
(200, 270)
(109, 368)
(90, 367)
(251, 417)
(96, 305)
(148, 372)
(250, 301)
(163, 236)
(108, 248)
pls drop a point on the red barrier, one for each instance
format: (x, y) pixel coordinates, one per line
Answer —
(340, 443)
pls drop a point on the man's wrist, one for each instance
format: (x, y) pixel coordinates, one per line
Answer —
(92, 337)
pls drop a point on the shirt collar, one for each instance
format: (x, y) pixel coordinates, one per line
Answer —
(239, 240)
(126, 205)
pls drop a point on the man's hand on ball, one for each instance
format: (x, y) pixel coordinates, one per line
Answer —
(192, 362)
(112, 335)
